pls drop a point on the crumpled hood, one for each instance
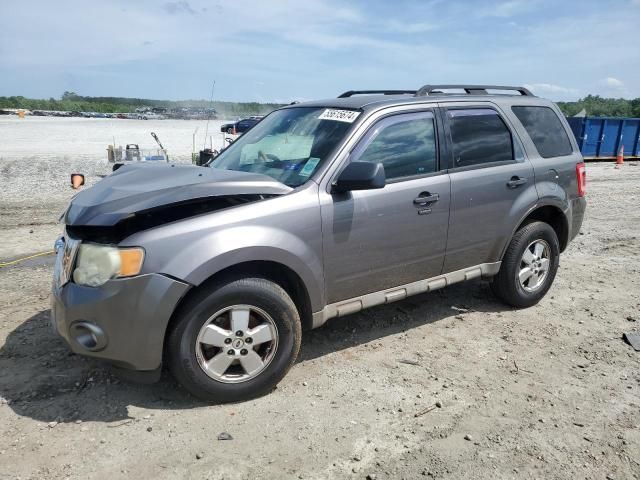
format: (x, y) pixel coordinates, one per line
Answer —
(141, 187)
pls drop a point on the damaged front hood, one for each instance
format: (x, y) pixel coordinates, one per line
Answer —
(143, 187)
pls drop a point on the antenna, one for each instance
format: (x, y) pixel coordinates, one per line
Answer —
(206, 130)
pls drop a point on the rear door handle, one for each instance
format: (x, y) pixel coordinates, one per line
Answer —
(516, 181)
(425, 198)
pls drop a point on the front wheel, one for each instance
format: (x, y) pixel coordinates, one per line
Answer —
(236, 341)
(528, 266)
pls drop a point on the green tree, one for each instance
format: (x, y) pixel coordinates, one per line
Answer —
(69, 96)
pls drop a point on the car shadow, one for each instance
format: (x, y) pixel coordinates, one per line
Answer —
(42, 379)
(385, 320)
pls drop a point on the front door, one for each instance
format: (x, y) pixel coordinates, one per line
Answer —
(378, 239)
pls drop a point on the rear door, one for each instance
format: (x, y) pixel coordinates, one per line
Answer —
(244, 125)
(492, 183)
(550, 151)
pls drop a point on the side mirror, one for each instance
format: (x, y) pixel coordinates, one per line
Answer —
(360, 176)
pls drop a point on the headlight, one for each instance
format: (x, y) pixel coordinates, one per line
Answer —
(96, 264)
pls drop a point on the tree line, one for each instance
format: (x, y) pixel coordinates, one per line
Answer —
(594, 105)
(72, 102)
(597, 106)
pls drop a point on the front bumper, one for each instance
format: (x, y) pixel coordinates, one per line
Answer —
(123, 321)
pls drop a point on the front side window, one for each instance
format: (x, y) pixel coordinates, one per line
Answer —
(289, 145)
(405, 144)
(479, 136)
(545, 129)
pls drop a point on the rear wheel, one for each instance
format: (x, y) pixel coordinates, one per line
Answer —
(529, 266)
(236, 341)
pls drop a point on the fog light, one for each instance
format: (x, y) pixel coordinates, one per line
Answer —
(89, 336)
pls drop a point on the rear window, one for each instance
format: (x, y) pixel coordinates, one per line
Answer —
(479, 136)
(545, 129)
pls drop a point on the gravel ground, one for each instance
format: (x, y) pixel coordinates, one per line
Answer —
(547, 392)
(38, 154)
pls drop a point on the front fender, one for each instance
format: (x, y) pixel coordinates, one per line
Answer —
(209, 254)
(284, 229)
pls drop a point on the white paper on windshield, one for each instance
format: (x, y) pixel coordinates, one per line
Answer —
(282, 145)
(347, 116)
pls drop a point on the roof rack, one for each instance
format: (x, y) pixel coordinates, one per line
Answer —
(351, 93)
(427, 90)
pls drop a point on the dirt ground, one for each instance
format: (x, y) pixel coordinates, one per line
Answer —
(548, 392)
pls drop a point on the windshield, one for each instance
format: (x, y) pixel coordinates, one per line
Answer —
(288, 145)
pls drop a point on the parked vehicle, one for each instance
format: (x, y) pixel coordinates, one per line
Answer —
(150, 116)
(240, 126)
(321, 210)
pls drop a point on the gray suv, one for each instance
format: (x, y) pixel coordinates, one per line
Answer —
(322, 209)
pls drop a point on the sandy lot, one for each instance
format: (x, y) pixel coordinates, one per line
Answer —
(87, 138)
(38, 154)
(547, 392)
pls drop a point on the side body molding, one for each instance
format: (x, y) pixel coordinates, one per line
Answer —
(353, 305)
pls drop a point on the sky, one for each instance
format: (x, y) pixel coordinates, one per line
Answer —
(277, 50)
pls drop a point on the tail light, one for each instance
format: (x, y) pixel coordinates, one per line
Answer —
(581, 177)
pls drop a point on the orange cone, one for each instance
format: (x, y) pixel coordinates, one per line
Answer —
(620, 157)
(77, 180)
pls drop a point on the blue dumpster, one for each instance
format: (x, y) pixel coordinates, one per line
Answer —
(601, 137)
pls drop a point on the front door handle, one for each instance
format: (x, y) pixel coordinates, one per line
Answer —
(425, 198)
(516, 181)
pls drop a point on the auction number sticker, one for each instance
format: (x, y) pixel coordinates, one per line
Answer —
(347, 116)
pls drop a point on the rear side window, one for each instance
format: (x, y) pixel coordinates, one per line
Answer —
(405, 144)
(479, 136)
(545, 129)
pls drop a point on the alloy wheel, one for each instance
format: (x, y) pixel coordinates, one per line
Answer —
(236, 343)
(534, 265)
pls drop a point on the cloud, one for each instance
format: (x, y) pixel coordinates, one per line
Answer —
(549, 88)
(396, 26)
(174, 8)
(313, 48)
(613, 83)
(508, 9)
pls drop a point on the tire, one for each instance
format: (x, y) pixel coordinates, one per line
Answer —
(187, 355)
(116, 166)
(230, 131)
(507, 286)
